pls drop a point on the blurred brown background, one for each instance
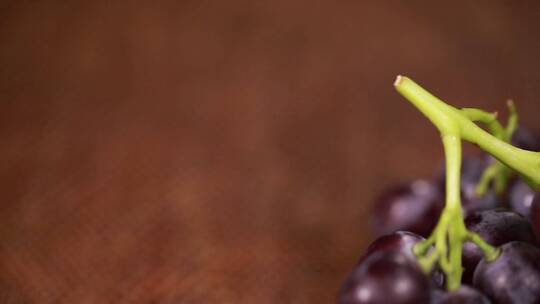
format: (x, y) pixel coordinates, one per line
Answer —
(226, 151)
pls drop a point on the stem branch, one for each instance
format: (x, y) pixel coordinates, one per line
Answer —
(454, 125)
(444, 116)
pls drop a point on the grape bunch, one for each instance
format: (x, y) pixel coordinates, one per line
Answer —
(406, 216)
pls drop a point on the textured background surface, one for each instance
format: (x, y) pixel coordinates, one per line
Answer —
(227, 152)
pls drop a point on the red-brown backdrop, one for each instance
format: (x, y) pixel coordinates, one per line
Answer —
(226, 151)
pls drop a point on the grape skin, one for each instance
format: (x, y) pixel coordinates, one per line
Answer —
(385, 277)
(401, 242)
(464, 295)
(520, 198)
(496, 227)
(414, 207)
(525, 139)
(535, 213)
(514, 277)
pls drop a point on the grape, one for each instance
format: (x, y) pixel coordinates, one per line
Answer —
(472, 167)
(496, 227)
(464, 295)
(401, 242)
(514, 277)
(520, 198)
(414, 207)
(385, 277)
(526, 139)
(535, 213)
(471, 172)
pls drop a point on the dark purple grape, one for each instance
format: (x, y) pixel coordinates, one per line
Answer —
(520, 197)
(526, 139)
(414, 207)
(472, 169)
(464, 295)
(401, 242)
(496, 227)
(385, 277)
(514, 277)
(535, 213)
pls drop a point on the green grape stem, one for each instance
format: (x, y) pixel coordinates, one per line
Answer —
(496, 173)
(451, 120)
(456, 125)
